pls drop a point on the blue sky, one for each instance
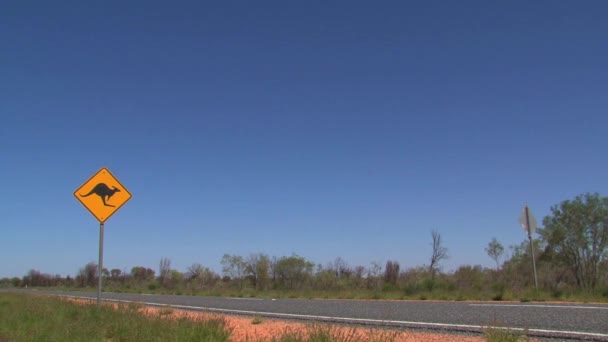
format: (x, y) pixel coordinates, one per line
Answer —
(327, 129)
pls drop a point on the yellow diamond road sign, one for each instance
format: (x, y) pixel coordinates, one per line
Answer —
(102, 194)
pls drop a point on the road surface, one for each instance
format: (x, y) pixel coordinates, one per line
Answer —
(565, 320)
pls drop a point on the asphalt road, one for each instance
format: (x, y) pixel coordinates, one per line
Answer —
(571, 321)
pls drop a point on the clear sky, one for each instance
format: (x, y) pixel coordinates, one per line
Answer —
(327, 129)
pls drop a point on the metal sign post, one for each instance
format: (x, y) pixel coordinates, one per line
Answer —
(102, 195)
(100, 266)
(528, 223)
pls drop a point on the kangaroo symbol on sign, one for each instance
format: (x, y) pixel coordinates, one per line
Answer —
(104, 192)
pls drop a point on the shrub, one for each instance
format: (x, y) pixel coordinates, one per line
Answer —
(429, 284)
(556, 293)
(410, 290)
(498, 334)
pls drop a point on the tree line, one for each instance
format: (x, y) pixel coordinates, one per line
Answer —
(571, 254)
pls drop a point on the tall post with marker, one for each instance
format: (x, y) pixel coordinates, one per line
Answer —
(528, 223)
(100, 264)
(102, 195)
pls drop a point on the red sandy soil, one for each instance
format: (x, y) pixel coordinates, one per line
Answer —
(261, 329)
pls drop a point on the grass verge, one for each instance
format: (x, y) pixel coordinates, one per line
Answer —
(37, 318)
(25, 317)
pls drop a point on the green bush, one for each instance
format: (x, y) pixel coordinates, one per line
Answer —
(429, 284)
(388, 287)
(498, 296)
(410, 290)
(494, 334)
(533, 296)
(556, 293)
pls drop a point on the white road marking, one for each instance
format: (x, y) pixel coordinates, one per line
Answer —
(578, 334)
(546, 306)
(241, 298)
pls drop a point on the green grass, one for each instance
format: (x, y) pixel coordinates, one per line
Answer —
(38, 318)
(499, 334)
(328, 333)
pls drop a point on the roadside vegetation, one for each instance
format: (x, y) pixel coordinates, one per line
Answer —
(328, 333)
(571, 254)
(494, 334)
(37, 318)
(497, 332)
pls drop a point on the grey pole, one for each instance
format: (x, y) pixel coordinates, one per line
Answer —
(531, 248)
(100, 266)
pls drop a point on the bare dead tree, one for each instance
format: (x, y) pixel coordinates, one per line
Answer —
(374, 276)
(164, 270)
(439, 253)
(340, 268)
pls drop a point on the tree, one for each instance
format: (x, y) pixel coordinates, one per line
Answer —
(115, 273)
(495, 251)
(87, 276)
(359, 271)
(5, 282)
(516, 268)
(293, 271)
(340, 268)
(439, 253)
(164, 270)
(325, 278)
(263, 272)
(576, 234)
(69, 282)
(234, 266)
(175, 278)
(273, 268)
(374, 276)
(16, 281)
(258, 268)
(357, 278)
(391, 272)
(37, 278)
(201, 276)
(141, 273)
(469, 278)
